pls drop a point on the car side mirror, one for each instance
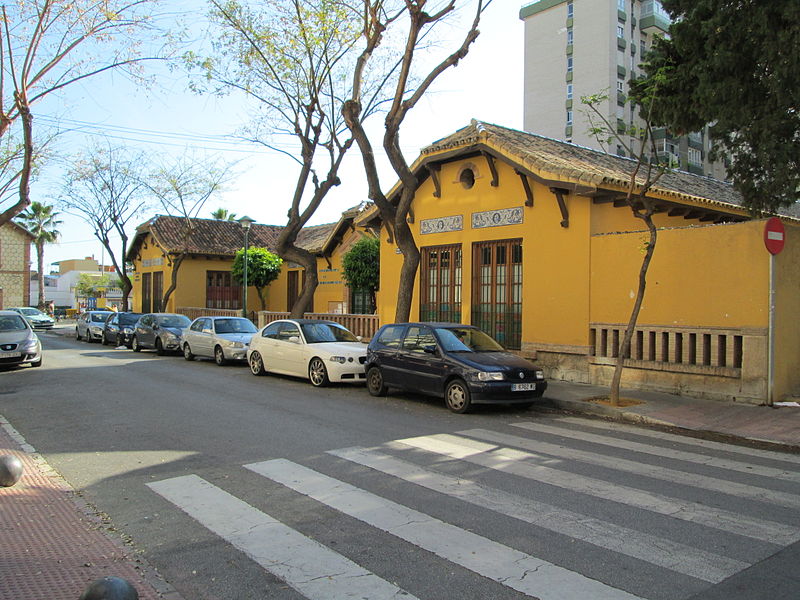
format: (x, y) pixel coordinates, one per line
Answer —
(294, 339)
(429, 349)
(155, 326)
(359, 338)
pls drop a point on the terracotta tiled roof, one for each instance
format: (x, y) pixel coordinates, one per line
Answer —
(583, 165)
(221, 238)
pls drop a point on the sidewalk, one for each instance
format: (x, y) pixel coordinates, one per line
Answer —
(53, 546)
(779, 426)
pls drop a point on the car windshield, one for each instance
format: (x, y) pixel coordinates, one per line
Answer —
(128, 318)
(466, 339)
(234, 326)
(178, 321)
(31, 312)
(326, 332)
(98, 317)
(12, 323)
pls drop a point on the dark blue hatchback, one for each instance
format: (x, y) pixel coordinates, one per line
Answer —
(459, 362)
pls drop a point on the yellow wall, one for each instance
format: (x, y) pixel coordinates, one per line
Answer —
(787, 323)
(712, 276)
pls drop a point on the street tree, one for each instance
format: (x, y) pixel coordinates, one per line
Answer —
(41, 221)
(646, 170)
(222, 214)
(294, 60)
(104, 187)
(182, 186)
(361, 266)
(419, 21)
(734, 65)
(93, 286)
(45, 47)
(263, 267)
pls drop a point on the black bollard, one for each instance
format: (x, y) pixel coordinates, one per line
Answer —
(110, 588)
(10, 470)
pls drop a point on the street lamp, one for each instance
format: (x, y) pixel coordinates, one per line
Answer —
(245, 222)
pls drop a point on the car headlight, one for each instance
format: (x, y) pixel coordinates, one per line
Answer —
(237, 345)
(539, 374)
(95, 328)
(28, 346)
(127, 330)
(171, 337)
(490, 376)
(338, 359)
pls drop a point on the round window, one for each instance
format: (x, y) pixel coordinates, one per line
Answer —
(467, 178)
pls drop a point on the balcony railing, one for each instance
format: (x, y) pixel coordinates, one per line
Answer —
(361, 325)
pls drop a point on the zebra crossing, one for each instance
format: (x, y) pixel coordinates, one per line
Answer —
(667, 516)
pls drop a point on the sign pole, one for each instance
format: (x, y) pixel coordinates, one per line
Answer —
(771, 341)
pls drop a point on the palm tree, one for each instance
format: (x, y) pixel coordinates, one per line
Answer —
(222, 214)
(40, 220)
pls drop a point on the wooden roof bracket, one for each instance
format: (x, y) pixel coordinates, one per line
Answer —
(526, 184)
(434, 169)
(559, 192)
(492, 167)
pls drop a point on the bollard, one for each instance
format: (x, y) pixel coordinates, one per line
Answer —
(10, 470)
(110, 588)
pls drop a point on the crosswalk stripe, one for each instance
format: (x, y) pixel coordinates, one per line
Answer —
(733, 488)
(652, 549)
(524, 464)
(660, 451)
(746, 453)
(510, 567)
(306, 565)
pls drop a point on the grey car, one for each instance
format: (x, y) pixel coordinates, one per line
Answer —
(35, 317)
(161, 331)
(89, 325)
(220, 338)
(19, 345)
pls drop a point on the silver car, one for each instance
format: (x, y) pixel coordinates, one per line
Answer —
(161, 331)
(35, 317)
(19, 345)
(220, 338)
(89, 325)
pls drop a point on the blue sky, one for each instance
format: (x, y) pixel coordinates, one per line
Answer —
(168, 118)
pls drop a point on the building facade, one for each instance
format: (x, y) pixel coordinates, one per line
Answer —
(15, 265)
(530, 239)
(576, 48)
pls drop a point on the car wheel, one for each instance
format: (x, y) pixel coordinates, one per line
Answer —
(37, 363)
(118, 342)
(317, 373)
(187, 352)
(256, 364)
(103, 339)
(457, 396)
(135, 344)
(159, 347)
(77, 334)
(219, 356)
(88, 337)
(375, 385)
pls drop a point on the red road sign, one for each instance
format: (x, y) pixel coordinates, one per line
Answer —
(774, 235)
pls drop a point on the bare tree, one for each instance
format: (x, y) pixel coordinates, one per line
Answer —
(46, 46)
(182, 186)
(294, 59)
(104, 187)
(408, 90)
(645, 172)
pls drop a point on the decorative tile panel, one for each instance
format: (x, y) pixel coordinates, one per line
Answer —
(497, 218)
(442, 224)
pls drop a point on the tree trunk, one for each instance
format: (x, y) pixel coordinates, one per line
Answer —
(176, 265)
(261, 291)
(305, 301)
(40, 266)
(408, 272)
(625, 349)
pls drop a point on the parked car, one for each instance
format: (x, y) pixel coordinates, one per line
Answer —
(220, 338)
(320, 351)
(161, 331)
(37, 318)
(89, 325)
(118, 328)
(460, 362)
(19, 344)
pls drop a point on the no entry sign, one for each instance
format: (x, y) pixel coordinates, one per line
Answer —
(774, 235)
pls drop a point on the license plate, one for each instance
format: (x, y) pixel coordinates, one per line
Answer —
(10, 354)
(523, 387)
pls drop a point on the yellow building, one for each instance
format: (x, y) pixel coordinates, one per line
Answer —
(204, 277)
(529, 238)
(15, 265)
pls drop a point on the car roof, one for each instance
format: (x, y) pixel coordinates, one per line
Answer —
(303, 321)
(434, 324)
(8, 312)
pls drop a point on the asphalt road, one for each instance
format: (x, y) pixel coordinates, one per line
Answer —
(236, 486)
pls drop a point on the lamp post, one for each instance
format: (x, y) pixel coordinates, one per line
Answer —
(245, 222)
